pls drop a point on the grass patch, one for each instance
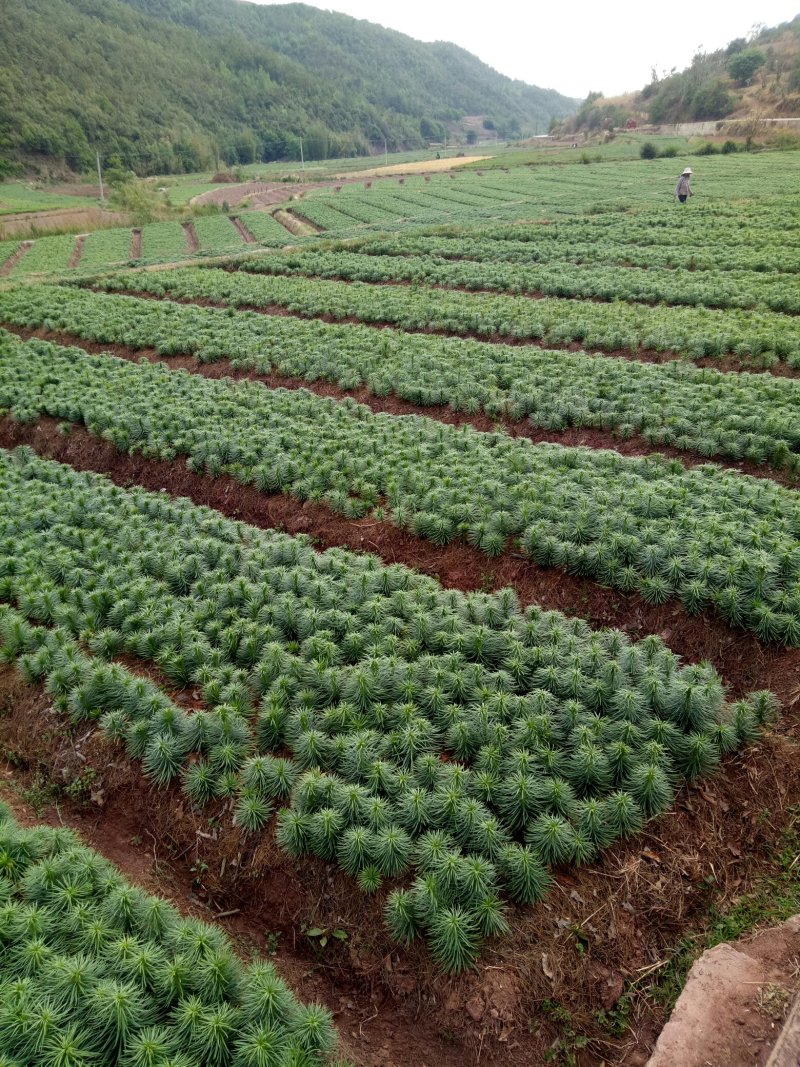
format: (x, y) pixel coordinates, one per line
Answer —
(774, 898)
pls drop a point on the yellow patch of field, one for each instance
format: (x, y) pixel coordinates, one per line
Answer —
(423, 166)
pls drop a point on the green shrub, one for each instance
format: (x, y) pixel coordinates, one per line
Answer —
(102, 973)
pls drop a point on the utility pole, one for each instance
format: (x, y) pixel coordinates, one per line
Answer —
(302, 161)
(100, 179)
(385, 152)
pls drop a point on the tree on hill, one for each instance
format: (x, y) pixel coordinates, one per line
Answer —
(743, 65)
(707, 88)
(596, 114)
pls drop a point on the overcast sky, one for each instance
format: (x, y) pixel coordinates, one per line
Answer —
(578, 45)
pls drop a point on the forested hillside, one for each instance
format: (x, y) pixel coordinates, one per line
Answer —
(757, 77)
(174, 85)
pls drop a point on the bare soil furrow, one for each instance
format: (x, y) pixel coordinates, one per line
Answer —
(639, 355)
(566, 260)
(241, 229)
(192, 243)
(262, 897)
(605, 931)
(526, 294)
(391, 404)
(741, 660)
(297, 223)
(77, 251)
(14, 259)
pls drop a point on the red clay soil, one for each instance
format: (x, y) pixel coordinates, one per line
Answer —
(77, 251)
(14, 259)
(190, 699)
(136, 244)
(391, 404)
(604, 932)
(260, 896)
(266, 192)
(741, 660)
(192, 243)
(259, 194)
(638, 355)
(241, 229)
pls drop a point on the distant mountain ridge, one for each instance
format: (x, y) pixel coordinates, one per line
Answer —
(175, 85)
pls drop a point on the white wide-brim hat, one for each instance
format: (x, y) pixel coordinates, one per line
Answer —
(687, 171)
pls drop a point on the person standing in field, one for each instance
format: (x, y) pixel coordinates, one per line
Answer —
(683, 189)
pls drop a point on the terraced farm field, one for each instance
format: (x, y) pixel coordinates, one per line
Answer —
(140, 981)
(425, 598)
(159, 242)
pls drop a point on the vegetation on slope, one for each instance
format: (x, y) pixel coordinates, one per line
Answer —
(759, 76)
(178, 85)
(94, 971)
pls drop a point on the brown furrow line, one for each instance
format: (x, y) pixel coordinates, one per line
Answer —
(77, 251)
(728, 363)
(741, 660)
(241, 229)
(243, 882)
(14, 259)
(192, 243)
(392, 404)
(641, 895)
(294, 213)
(525, 294)
(294, 222)
(566, 261)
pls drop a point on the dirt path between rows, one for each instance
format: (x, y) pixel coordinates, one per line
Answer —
(726, 363)
(192, 243)
(241, 229)
(14, 259)
(296, 224)
(527, 294)
(742, 661)
(77, 251)
(267, 194)
(263, 900)
(259, 194)
(583, 963)
(392, 404)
